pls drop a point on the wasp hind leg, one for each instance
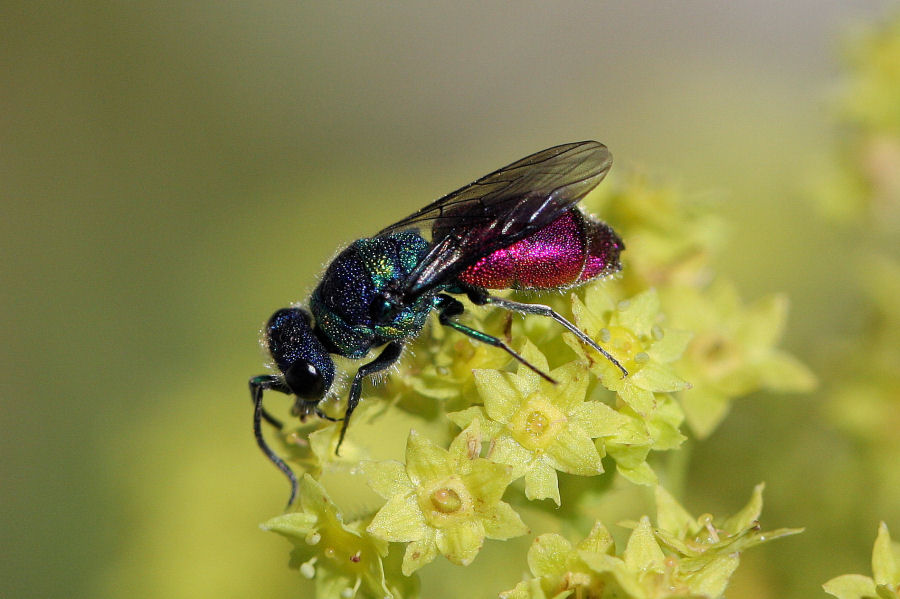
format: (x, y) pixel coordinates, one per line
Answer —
(449, 307)
(481, 298)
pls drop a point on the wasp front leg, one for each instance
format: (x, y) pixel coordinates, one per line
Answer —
(258, 385)
(387, 357)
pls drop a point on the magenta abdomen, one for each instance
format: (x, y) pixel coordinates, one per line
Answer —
(571, 250)
(602, 251)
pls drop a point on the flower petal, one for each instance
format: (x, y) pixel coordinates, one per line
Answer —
(598, 541)
(463, 418)
(885, 566)
(671, 346)
(487, 480)
(506, 450)
(572, 383)
(419, 553)
(780, 371)
(466, 446)
(295, 524)
(597, 302)
(541, 481)
(425, 461)
(850, 586)
(763, 323)
(500, 394)
(631, 463)
(531, 353)
(548, 554)
(527, 381)
(387, 478)
(640, 400)
(713, 578)
(598, 419)
(642, 552)
(671, 516)
(749, 514)
(640, 312)
(704, 409)
(502, 522)
(314, 498)
(656, 377)
(527, 589)
(614, 568)
(665, 424)
(574, 452)
(461, 543)
(399, 520)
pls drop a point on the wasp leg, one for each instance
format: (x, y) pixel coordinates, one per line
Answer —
(258, 384)
(449, 307)
(321, 414)
(268, 381)
(303, 408)
(385, 359)
(481, 298)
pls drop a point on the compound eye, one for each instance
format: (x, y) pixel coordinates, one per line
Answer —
(305, 380)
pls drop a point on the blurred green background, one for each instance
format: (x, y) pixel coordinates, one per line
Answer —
(172, 173)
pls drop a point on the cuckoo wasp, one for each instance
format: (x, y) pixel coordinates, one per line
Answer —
(516, 228)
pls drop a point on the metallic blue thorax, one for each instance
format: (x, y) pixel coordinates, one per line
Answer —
(342, 304)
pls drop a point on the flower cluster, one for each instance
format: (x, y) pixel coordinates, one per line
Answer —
(861, 191)
(682, 556)
(485, 443)
(863, 183)
(733, 350)
(442, 501)
(865, 404)
(339, 556)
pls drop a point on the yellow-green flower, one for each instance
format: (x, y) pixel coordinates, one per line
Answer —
(670, 236)
(863, 184)
(885, 580)
(630, 330)
(866, 402)
(439, 363)
(733, 350)
(559, 569)
(592, 570)
(357, 445)
(872, 91)
(539, 428)
(442, 501)
(703, 553)
(449, 374)
(683, 558)
(342, 558)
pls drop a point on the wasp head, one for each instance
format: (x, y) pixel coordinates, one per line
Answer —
(304, 361)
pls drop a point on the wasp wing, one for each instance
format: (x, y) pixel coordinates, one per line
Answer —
(501, 208)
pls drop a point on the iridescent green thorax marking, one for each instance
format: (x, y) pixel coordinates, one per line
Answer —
(356, 279)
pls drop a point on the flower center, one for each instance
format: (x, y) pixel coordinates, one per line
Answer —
(626, 347)
(537, 424)
(624, 342)
(583, 585)
(719, 356)
(445, 500)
